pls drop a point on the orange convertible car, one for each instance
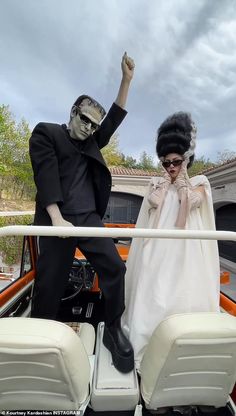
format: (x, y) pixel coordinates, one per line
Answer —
(189, 367)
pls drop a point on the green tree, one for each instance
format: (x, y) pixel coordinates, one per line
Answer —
(199, 165)
(146, 162)
(7, 130)
(129, 162)
(112, 154)
(11, 246)
(15, 168)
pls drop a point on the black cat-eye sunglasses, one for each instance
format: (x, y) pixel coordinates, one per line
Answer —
(176, 162)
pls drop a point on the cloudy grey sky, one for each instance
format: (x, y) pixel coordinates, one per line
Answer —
(51, 51)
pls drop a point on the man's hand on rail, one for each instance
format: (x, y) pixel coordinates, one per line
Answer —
(56, 217)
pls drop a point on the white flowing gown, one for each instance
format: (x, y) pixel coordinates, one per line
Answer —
(168, 276)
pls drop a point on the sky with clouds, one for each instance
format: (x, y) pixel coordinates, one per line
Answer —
(184, 51)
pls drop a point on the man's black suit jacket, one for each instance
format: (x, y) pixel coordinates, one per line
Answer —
(52, 155)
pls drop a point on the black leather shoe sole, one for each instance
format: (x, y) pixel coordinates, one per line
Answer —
(123, 363)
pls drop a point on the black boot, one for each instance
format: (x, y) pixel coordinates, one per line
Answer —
(119, 346)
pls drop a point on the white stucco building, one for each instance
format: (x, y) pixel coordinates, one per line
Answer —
(129, 186)
(223, 185)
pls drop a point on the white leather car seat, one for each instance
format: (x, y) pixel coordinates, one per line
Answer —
(44, 365)
(190, 360)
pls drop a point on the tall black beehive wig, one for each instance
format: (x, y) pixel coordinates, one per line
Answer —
(177, 134)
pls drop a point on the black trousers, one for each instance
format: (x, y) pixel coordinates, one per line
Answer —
(55, 260)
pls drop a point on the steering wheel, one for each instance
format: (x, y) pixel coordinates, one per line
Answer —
(77, 278)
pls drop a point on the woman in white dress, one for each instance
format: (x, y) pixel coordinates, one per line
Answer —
(165, 276)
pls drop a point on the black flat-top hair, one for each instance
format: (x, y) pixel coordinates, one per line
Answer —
(174, 135)
(83, 97)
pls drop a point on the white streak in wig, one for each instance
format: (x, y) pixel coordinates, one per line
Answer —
(192, 146)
